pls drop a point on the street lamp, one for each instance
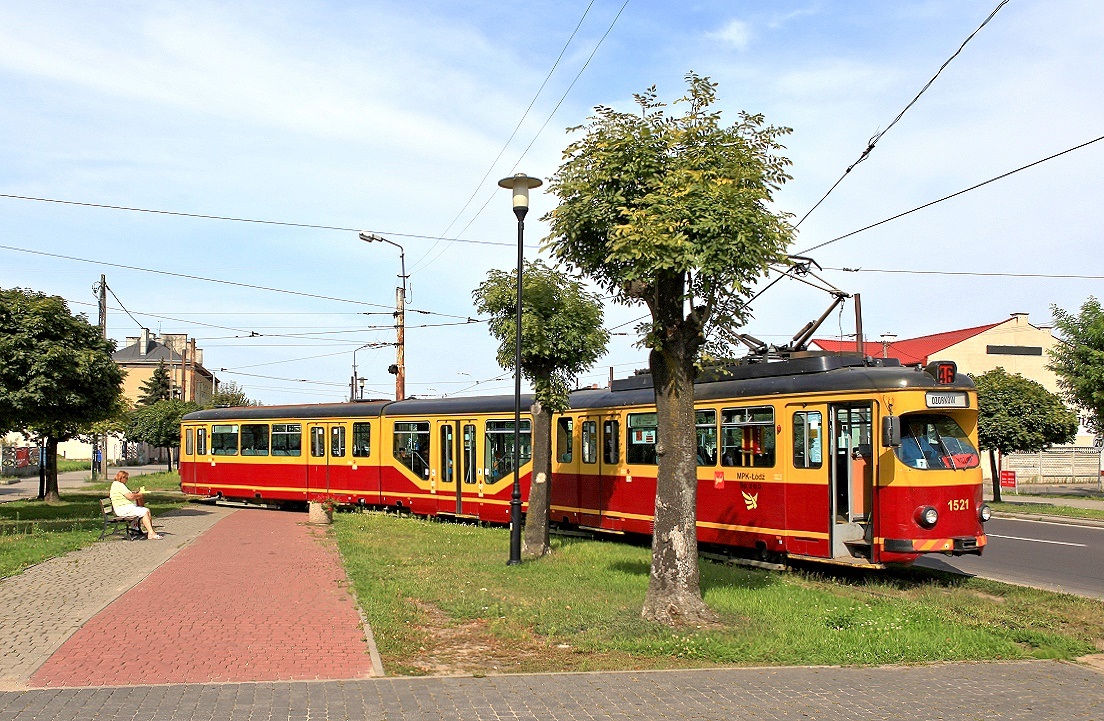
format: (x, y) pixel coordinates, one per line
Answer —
(520, 184)
(400, 316)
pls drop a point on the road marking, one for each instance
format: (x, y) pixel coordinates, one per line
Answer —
(1037, 540)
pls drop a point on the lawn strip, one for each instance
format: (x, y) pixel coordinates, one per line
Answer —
(440, 599)
(1047, 509)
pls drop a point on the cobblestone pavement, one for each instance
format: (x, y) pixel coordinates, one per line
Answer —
(41, 607)
(258, 597)
(949, 692)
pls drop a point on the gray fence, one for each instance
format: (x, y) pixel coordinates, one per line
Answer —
(1071, 464)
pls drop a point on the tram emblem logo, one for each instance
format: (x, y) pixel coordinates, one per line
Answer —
(751, 500)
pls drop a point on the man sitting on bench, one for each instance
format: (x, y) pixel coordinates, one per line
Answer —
(128, 504)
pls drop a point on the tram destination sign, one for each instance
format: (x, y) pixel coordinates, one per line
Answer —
(937, 399)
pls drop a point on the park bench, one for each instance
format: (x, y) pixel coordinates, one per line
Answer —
(129, 527)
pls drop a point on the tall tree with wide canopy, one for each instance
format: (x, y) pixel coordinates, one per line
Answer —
(674, 212)
(158, 424)
(1019, 415)
(561, 336)
(1079, 360)
(56, 373)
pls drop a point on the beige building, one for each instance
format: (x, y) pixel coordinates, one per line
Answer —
(141, 355)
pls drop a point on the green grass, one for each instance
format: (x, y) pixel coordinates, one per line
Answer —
(160, 481)
(429, 587)
(34, 531)
(66, 465)
(1047, 509)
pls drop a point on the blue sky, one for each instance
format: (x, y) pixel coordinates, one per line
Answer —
(386, 115)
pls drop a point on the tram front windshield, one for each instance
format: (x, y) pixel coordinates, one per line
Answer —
(935, 442)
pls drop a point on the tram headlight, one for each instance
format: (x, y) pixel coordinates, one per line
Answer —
(985, 512)
(927, 516)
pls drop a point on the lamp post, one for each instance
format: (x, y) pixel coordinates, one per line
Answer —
(400, 317)
(520, 184)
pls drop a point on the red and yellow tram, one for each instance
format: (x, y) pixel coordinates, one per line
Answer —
(833, 458)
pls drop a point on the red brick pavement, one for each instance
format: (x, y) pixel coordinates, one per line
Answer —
(256, 598)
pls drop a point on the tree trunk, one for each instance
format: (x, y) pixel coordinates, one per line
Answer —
(995, 470)
(674, 591)
(52, 495)
(540, 485)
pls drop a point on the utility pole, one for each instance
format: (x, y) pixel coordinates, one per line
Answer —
(400, 340)
(101, 289)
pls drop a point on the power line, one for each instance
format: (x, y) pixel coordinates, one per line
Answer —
(541, 130)
(112, 292)
(878, 135)
(509, 140)
(233, 219)
(278, 378)
(978, 274)
(953, 195)
(217, 280)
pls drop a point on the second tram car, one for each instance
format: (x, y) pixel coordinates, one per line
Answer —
(827, 457)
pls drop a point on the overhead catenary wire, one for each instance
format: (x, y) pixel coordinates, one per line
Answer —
(952, 195)
(490, 168)
(972, 274)
(878, 135)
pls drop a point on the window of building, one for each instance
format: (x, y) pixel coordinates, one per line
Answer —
(500, 448)
(254, 439)
(287, 439)
(412, 446)
(808, 439)
(224, 440)
(643, 429)
(747, 437)
(362, 440)
(337, 442)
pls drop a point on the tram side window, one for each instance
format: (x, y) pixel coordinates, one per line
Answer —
(706, 426)
(564, 429)
(642, 439)
(590, 442)
(747, 437)
(412, 446)
(337, 442)
(201, 441)
(287, 439)
(469, 454)
(500, 448)
(254, 439)
(224, 440)
(362, 440)
(189, 442)
(808, 437)
(611, 442)
(317, 441)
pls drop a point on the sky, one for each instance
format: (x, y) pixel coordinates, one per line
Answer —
(394, 117)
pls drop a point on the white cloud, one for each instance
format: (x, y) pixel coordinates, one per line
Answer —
(736, 33)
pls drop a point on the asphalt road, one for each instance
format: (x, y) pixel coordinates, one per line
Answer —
(1054, 556)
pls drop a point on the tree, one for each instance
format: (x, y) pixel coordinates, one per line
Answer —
(1018, 415)
(56, 373)
(673, 212)
(561, 336)
(1079, 360)
(158, 387)
(230, 395)
(159, 424)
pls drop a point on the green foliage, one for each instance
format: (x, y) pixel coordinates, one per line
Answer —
(1018, 415)
(648, 200)
(1079, 360)
(56, 373)
(561, 327)
(230, 395)
(158, 387)
(159, 424)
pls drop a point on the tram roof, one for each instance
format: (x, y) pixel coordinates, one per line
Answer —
(792, 377)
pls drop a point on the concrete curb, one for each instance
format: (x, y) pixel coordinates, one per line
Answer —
(1066, 520)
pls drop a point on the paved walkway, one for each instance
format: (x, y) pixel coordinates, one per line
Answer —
(258, 597)
(951, 692)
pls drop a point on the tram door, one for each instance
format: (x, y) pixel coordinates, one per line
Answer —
(590, 471)
(445, 471)
(318, 460)
(851, 479)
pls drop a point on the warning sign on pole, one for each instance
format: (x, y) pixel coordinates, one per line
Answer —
(1008, 479)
